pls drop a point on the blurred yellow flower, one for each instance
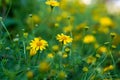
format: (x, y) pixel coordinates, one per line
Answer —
(55, 47)
(52, 3)
(67, 49)
(81, 26)
(106, 21)
(97, 55)
(85, 69)
(65, 55)
(77, 37)
(91, 60)
(32, 52)
(38, 44)
(62, 75)
(108, 68)
(67, 29)
(29, 74)
(89, 39)
(50, 55)
(64, 38)
(44, 66)
(102, 49)
(103, 29)
(34, 18)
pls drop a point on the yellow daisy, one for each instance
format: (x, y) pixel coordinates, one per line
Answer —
(52, 3)
(38, 44)
(64, 38)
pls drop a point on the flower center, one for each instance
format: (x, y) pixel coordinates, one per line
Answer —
(39, 43)
(52, 3)
(64, 38)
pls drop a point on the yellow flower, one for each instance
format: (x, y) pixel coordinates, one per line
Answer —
(102, 49)
(103, 29)
(32, 52)
(67, 49)
(67, 29)
(108, 68)
(44, 66)
(64, 38)
(55, 47)
(62, 75)
(29, 74)
(38, 44)
(91, 60)
(50, 55)
(106, 21)
(65, 55)
(52, 3)
(34, 18)
(85, 69)
(89, 39)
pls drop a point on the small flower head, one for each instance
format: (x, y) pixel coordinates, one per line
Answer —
(44, 66)
(89, 39)
(52, 3)
(29, 74)
(112, 35)
(32, 52)
(50, 55)
(106, 21)
(62, 75)
(86, 28)
(67, 49)
(85, 69)
(64, 38)
(65, 55)
(67, 29)
(108, 68)
(102, 49)
(25, 34)
(38, 44)
(55, 47)
(91, 60)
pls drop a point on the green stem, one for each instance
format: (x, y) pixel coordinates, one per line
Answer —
(110, 52)
(6, 29)
(8, 9)
(24, 49)
(37, 58)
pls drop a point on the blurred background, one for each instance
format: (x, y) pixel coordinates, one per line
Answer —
(16, 13)
(27, 19)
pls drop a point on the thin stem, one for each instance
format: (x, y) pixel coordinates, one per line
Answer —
(112, 57)
(37, 57)
(110, 52)
(8, 9)
(24, 49)
(5, 29)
